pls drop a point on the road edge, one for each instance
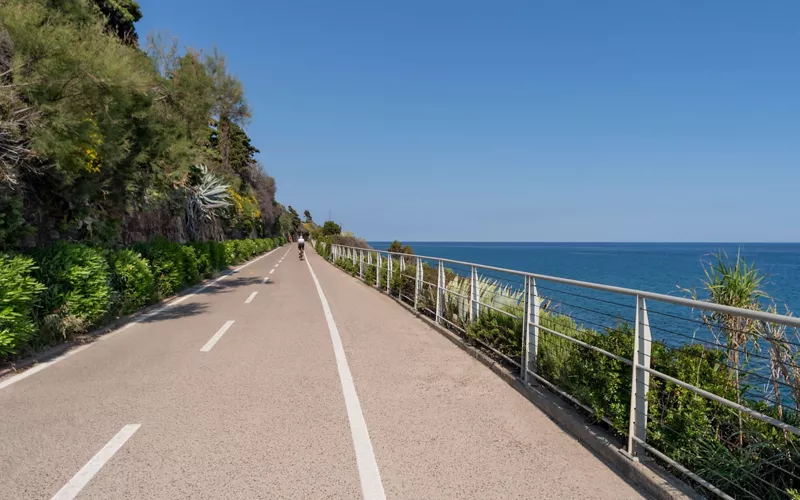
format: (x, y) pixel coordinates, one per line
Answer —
(649, 477)
(10, 369)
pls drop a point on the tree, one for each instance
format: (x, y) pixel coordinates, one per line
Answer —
(308, 216)
(120, 18)
(331, 228)
(395, 247)
(95, 133)
(230, 105)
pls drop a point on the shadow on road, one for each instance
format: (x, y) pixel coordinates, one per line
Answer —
(176, 312)
(231, 283)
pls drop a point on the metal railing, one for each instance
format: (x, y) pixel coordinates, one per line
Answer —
(689, 397)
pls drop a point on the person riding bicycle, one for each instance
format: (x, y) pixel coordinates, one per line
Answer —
(301, 245)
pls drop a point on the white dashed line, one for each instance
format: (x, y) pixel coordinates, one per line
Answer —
(272, 271)
(251, 297)
(88, 471)
(371, 486)
(213, 340)
(265, 279)
(41, 366)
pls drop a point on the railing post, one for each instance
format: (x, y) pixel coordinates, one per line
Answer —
(439, 293)
(353, 254)
(378, 270)
(361, 264)
(473, 295)
(524, 360)
(389, 273)
(534, 320)
(418, 283)
(402, 264)
(642, 346)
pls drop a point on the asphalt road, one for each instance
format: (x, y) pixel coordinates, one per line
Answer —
(306, 385)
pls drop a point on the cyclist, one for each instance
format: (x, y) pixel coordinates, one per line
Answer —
(301, 244)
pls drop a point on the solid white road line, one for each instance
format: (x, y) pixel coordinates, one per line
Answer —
(88, 471)
(251, 297)
(213, 340)
(371, 486)
(41, 366)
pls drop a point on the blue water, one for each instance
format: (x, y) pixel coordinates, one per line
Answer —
(656, 267)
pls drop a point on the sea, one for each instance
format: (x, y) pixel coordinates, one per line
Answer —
(668, 268)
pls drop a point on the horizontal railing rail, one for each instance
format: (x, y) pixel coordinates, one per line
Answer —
(688, 397)
(780, 319)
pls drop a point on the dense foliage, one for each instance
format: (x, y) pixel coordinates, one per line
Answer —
(99, 133)
(18, 292)
(66, 289)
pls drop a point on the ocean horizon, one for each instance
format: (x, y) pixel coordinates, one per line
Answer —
(672, 268)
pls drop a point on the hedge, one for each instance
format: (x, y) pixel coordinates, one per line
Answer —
(58, 292)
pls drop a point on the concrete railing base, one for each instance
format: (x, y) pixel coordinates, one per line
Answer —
(649, 477)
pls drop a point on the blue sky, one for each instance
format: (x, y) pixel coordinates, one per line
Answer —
(520, 120)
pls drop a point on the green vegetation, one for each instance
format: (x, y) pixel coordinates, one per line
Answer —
(112, 142)
(331, 228)
(18, 292)
(66, 289)
(741, 455)
(126, 173)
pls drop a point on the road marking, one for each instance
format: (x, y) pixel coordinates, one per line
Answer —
(41, 366)
(272, 271)
(276, 265)
(265, 279)
(88, 471)
(181, 299)
(251, 297)
(371, 486)
(213, 340)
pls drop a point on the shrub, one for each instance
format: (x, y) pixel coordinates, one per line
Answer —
(191, 274)
(219, 259)
(205, 266)
(19, 292)
(331, 228)
(498, 329)
(231, 251)
(132, 281)
(166, 263)
(246, 249)
(369, 273)
(347, 265)
(78, 289)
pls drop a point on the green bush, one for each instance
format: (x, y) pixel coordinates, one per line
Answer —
(384, 274)
(369, 273)
(231, 252)
(132, 281)
(498, 330)
(19, 292)
(219, 258)
(205, 266)
(78, 288)
(167, 264)
(347, 265)
(191, 273)
(246, 249)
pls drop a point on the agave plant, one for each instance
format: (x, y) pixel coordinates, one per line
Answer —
(205, 194)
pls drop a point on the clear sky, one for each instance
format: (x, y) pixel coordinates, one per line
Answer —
(660, 120)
